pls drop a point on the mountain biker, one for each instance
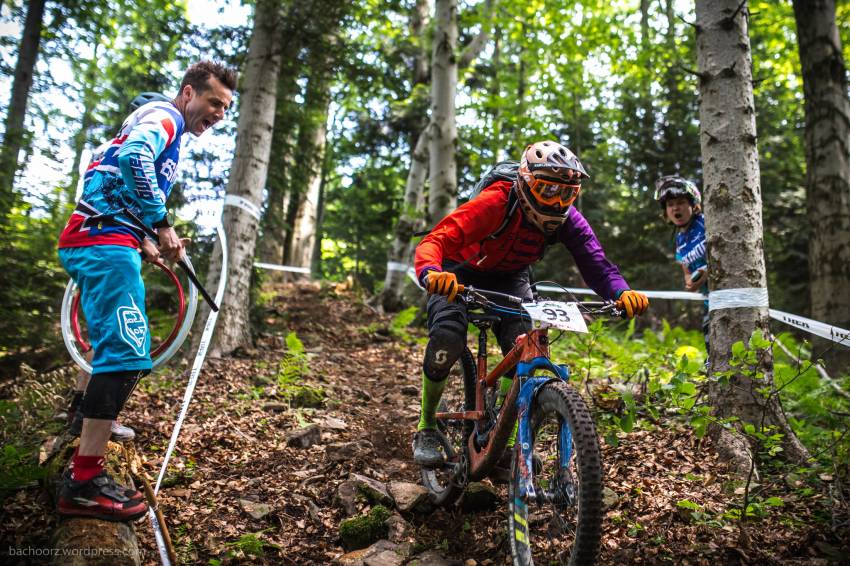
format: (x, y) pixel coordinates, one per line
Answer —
(98, 248)
(119, 432)
(458, 251)
(681, 205)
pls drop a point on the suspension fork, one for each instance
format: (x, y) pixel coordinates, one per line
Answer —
(529, 386)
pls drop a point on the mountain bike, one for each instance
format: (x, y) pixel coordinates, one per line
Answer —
(555, 488)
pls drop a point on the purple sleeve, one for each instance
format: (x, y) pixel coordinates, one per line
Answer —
(602, 275)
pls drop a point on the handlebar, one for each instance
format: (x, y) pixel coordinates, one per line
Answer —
(473, 296)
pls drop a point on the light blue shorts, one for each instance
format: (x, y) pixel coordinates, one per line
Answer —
(112, 295)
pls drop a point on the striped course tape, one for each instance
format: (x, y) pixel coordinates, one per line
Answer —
(731, 298)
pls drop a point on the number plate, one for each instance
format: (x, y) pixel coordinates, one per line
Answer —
(565, 316)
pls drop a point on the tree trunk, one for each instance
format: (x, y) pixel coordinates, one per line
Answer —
(312, 135)
(79, 143)
(304, 228)
(827, 170)
(408, 224)
(443, 127)
(284, 139)
(735, 248)
(412, 215)
(248, 177)
(13, 139)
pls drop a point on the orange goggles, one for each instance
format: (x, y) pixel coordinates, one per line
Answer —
(549, 193)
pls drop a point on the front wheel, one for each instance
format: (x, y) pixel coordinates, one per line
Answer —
(564, 521)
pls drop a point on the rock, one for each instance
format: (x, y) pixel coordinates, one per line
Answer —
(334, 424)
(373, 555)
(432, 558)
(304, 437)
(341, 451)
(479, 497)
(470, 562)
(360, 532)
(411, 390)
(609, 498)
(254, 509)
(373, 490)
(399, 529)
(346, 495)
(384, 558)
(409, 496)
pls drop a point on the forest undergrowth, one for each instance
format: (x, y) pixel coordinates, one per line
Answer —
(330, 394)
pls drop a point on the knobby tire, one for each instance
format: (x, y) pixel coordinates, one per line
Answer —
(559, 403)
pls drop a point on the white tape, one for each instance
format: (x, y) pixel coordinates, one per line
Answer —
(684, 295)
(244, 204)
(412, 274)
(193, 380)
(396, 266)
(752, 297)
(821, 329)
(282, 267)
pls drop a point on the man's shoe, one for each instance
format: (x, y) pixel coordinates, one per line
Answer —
(120, 433)
(100, 498)
(426, 448)
(129, 493)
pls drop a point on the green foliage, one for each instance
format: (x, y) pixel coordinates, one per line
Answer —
(250, 545)
(401, 321)
(360, 532)
(293, 368)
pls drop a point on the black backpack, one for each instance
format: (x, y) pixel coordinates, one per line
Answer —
(501, 171)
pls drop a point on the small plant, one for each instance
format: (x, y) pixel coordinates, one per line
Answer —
(400, 322)
(292, 369)
(249, 545)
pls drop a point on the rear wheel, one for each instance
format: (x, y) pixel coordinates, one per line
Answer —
(563, 523)
(447, 482)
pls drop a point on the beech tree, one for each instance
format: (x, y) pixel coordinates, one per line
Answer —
(734, 230)
(248, 177)
(827, 169)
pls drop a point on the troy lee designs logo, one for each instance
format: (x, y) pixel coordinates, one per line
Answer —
(134, 327)
(169, 170)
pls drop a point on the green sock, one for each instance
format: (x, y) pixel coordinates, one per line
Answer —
(504, 386)
(512, 437)
(432, 391)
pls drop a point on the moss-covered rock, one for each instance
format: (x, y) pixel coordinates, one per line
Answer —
(360, 532)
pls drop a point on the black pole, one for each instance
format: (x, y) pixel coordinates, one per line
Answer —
(189, 273)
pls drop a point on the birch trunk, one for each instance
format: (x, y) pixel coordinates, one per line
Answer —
(412, 215)
(408, 224)
(247, 178)
(827, 170)
(734, 222)
(13, 139)
(443, 126)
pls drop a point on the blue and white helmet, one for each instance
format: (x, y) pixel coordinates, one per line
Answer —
(674, 186)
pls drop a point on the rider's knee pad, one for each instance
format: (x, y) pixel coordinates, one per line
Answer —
(447, 338)
(107, 392)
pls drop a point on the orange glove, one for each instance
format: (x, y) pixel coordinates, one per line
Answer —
(633, 302)
(442, 283)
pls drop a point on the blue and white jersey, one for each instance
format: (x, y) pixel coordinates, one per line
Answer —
(690, 247)
(135, 171)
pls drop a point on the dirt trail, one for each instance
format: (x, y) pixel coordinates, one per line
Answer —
(240, 491)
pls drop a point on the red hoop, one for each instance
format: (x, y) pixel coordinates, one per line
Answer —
(181, 315)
